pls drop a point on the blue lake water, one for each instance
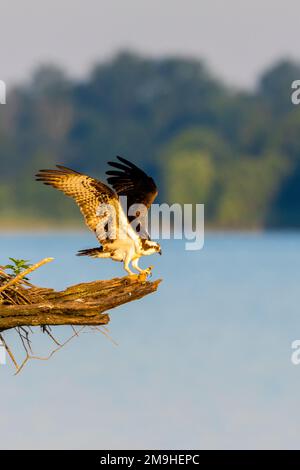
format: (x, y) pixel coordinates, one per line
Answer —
(203, 363)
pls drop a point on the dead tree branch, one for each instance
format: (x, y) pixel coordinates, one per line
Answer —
(23, 305)
(81, 304)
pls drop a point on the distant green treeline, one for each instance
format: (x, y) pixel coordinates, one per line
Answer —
(238, 152)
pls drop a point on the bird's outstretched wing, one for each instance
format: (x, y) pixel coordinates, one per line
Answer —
(130, 181)
(88, 193)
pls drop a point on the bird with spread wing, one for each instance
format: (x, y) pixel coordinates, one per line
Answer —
(104, 213)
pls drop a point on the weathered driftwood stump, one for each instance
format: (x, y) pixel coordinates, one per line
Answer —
(81, 304)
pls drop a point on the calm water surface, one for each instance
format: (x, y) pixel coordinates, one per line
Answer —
(203, 363)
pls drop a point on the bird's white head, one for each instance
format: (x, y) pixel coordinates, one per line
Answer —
(149, 247)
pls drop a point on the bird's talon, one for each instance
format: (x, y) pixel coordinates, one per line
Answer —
(133, 276)
(149, 270)
(146, 272)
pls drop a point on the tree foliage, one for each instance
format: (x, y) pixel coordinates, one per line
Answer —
(236, 151)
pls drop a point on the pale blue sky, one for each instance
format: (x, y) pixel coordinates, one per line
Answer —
(237, 38)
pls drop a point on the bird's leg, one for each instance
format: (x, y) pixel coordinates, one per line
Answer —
(135, 264)
(126, 266)
(142, 271)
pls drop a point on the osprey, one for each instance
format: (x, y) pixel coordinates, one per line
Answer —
(104, 213)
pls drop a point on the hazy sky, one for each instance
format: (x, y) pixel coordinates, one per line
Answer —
(238, 38)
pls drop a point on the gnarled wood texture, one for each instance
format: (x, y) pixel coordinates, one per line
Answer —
(81, 304)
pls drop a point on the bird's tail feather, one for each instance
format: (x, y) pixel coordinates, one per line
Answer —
(94, 252)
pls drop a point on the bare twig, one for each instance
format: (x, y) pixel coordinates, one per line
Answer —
(9, 351)
(28, 356)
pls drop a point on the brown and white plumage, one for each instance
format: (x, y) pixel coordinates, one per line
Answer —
(91, 195)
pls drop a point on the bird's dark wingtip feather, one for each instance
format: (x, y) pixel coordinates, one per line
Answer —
(126, 162)
(119, 166)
